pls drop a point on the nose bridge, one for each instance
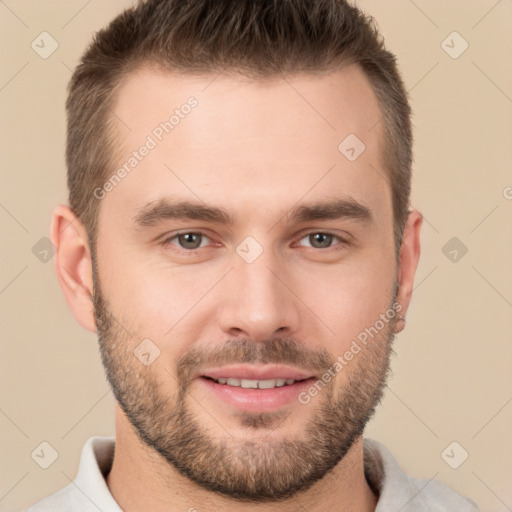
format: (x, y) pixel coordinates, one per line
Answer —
(258, 304)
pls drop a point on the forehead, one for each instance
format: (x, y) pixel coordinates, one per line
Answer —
(221, 138)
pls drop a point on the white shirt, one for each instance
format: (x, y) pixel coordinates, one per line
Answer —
(397, 491)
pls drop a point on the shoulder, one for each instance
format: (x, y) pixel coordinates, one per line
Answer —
(398, 491)
(68, 498)
(89, 491)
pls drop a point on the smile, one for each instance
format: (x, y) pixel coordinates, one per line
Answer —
(255, 384)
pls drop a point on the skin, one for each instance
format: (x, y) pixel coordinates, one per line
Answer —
(256, 149)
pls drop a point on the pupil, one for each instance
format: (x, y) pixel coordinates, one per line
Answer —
(321, 240)
(190, 241)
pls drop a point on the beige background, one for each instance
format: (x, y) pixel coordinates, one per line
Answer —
(452, 378)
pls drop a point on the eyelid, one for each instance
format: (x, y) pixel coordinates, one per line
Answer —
(343, 237)
(344, 240)
(167, 239)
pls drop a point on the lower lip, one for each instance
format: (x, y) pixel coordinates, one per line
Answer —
(257, 400)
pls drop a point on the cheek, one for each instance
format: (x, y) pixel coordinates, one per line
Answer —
(352, 297)
(152, 305)
(171, 306)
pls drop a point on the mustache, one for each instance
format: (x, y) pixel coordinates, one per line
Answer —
(277, 350)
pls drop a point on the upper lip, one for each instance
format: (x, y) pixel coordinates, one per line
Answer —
(251, 372)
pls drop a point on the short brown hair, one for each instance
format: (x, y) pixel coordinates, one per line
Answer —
(259, 38)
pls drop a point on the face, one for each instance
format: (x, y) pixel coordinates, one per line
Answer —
(245, 274)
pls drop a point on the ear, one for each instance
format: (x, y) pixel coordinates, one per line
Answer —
(409, 257)
(73, 265)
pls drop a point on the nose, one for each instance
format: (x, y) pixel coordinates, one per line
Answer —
(259, 301)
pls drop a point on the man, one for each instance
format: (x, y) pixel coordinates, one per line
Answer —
(239, 236)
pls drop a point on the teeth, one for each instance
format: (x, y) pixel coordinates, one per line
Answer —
(246, 383)
(254, 384)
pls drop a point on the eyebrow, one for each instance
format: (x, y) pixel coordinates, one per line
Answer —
(165, 209)
(332, 210)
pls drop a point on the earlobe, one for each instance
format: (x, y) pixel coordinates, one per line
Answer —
(73, 265)
(409, 258)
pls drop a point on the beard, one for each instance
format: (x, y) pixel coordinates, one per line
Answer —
(257, 470)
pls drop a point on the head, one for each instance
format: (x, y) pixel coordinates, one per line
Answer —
(259, 40)
(239, 180)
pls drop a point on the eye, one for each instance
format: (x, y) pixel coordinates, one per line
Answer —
(189, 240)
(321, 240)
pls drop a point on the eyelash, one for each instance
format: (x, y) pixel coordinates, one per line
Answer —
(342, 244)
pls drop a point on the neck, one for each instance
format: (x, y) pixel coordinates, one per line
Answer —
(140, 479)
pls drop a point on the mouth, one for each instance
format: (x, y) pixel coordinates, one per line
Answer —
(256, 389)
(255, 384)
